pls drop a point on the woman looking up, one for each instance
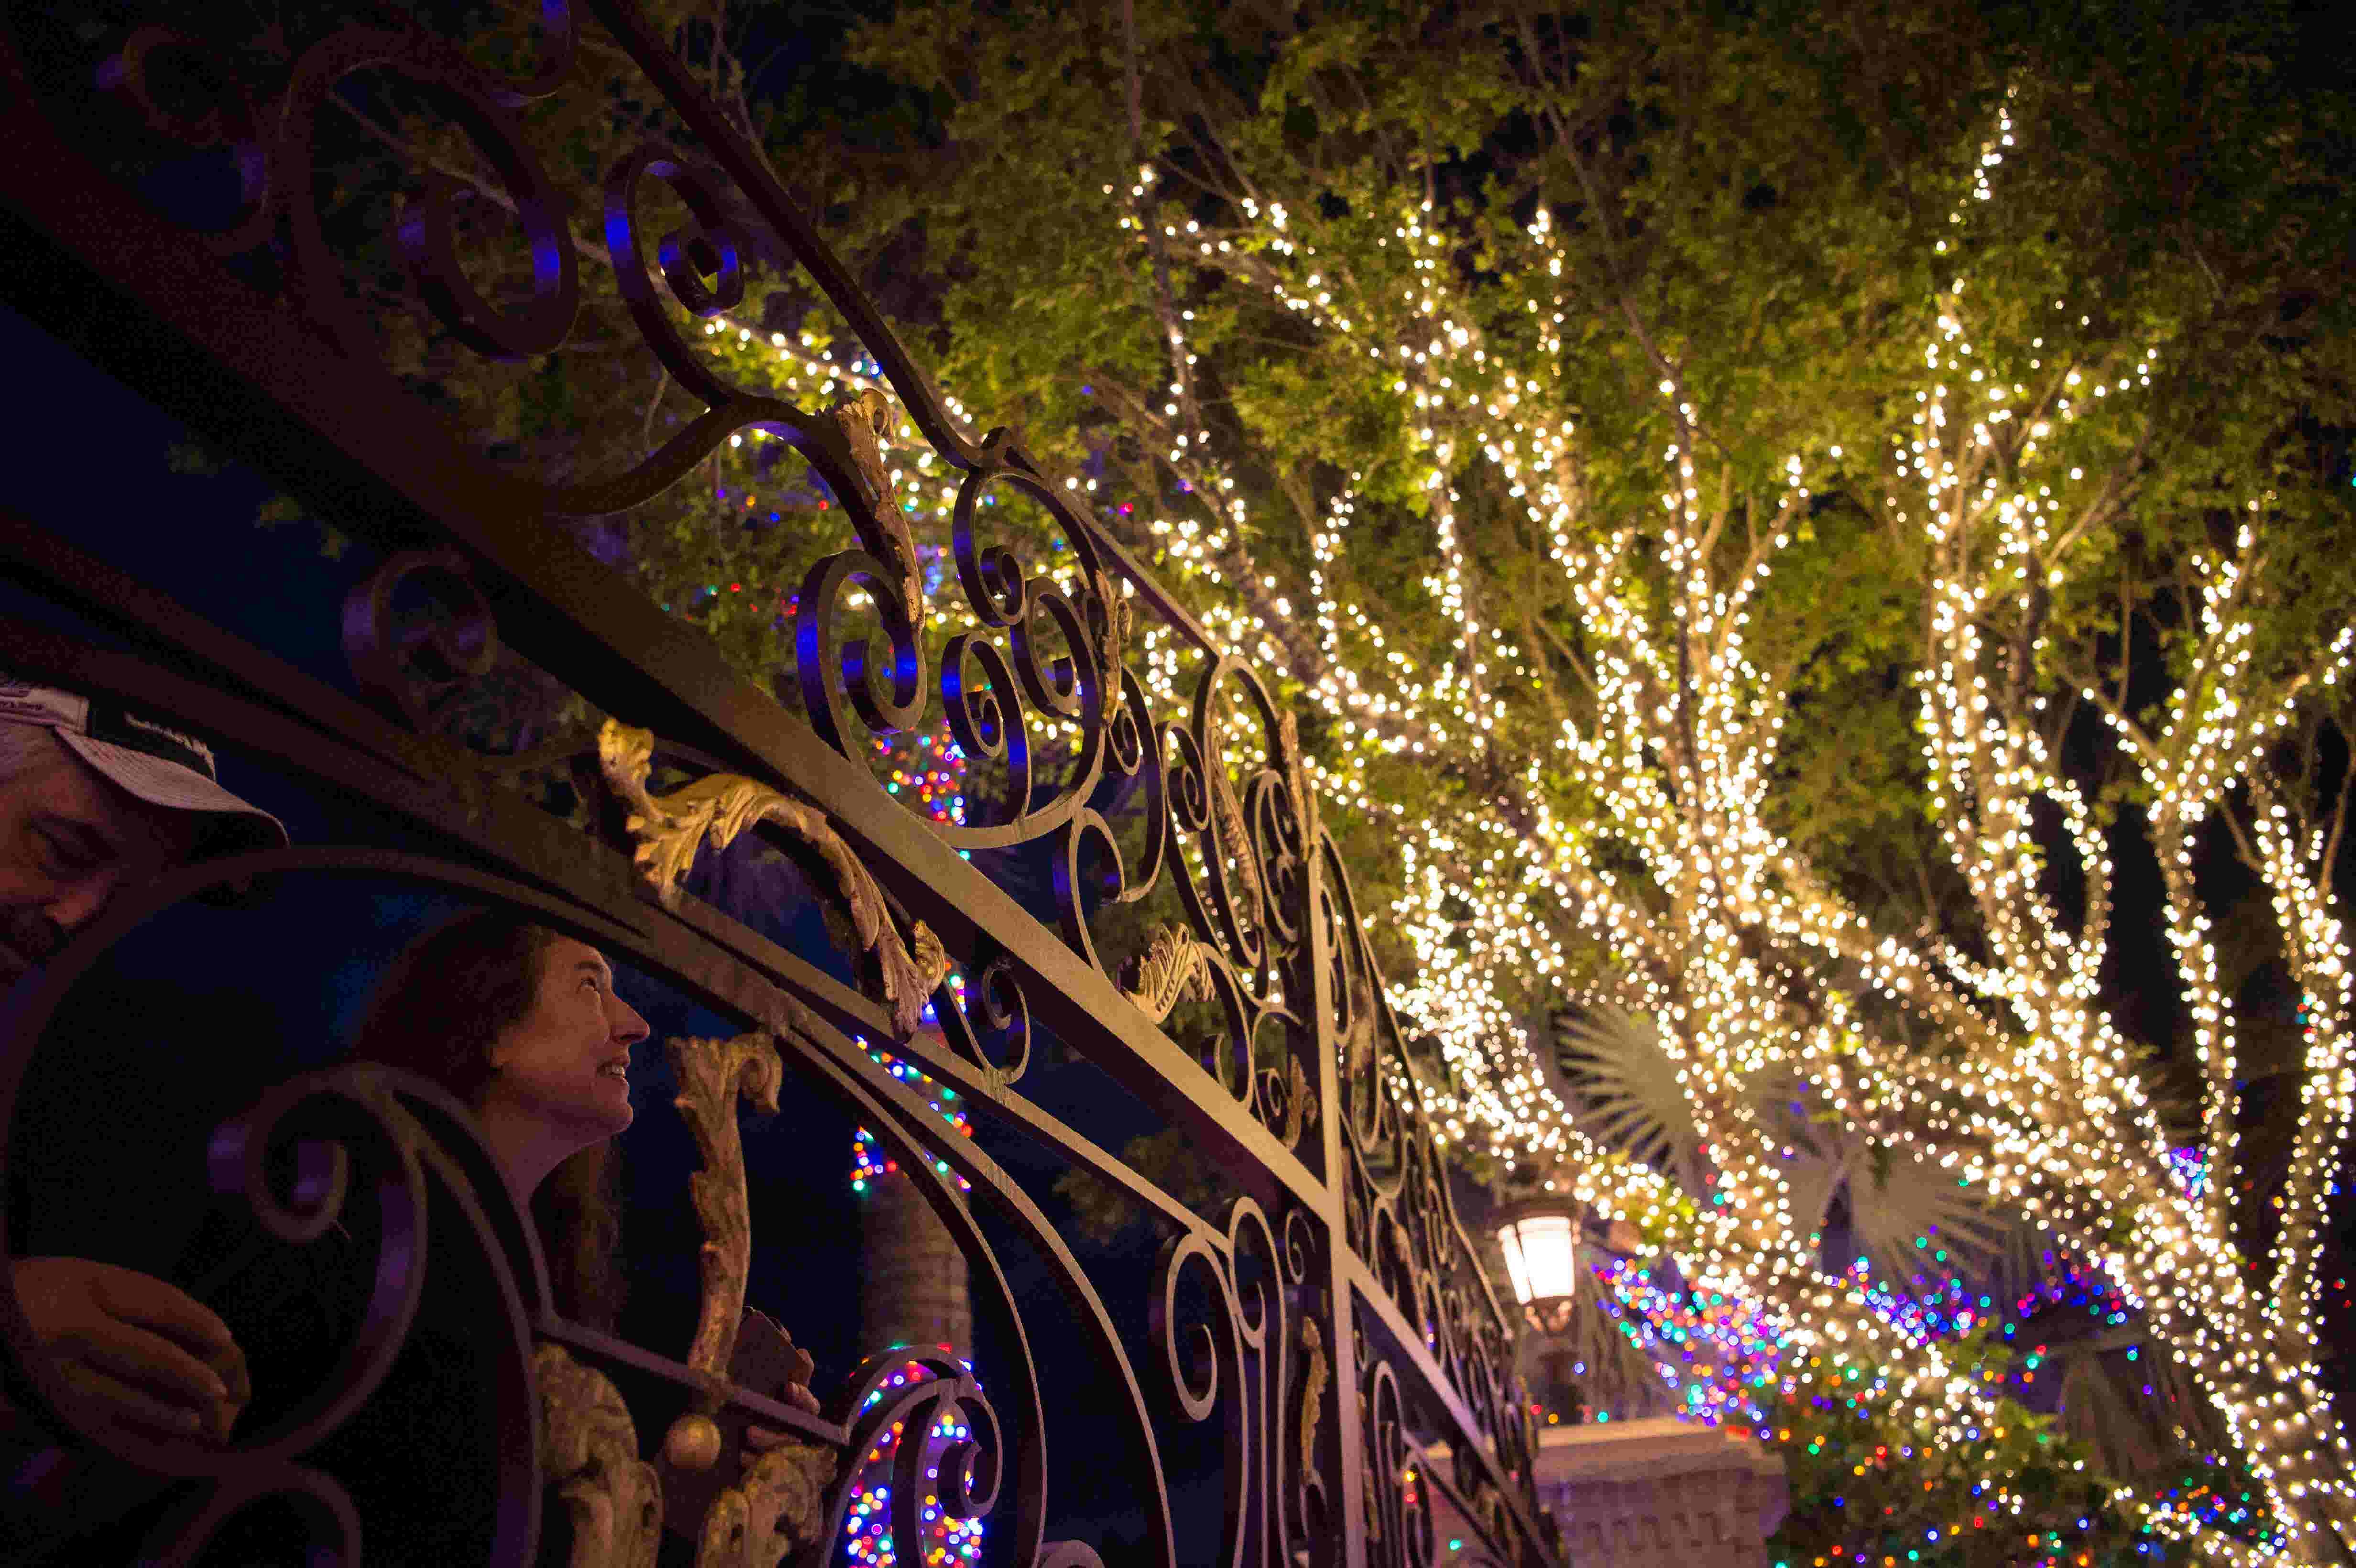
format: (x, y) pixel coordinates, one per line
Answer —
(560, 1075)
(524, 1026)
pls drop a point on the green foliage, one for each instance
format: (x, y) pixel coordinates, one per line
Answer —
(1865, 1480)
(1756, 198)
(1760, 201)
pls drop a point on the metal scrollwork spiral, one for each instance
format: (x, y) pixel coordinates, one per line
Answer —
(217, 109)
(414, 661)
(989, 1022)
(925, 1409)
(1238, 1342)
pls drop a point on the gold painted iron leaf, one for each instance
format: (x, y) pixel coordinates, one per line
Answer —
(1236, 836)
(1118, 618)
(1312, 1391)
(589, 1452)
(1300, 1102)
(1358, 1043)
(778, 1508)
(1296, 780)
(854, 433)
(861, 425)
(1170, 969)
(711, 1074)
(670, 829)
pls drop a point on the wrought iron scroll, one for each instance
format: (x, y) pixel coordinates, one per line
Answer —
(1401, 1217)
(267, 116)
(367, 1140)
(413, 669)
(1249, 1350)
(1332, 1349)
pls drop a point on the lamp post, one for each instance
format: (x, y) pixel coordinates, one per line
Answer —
(1540, 1238)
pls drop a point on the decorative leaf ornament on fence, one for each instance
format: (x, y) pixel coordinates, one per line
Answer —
(714, 810)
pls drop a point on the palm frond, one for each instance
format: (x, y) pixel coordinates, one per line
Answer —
(2141, 1415)
(1626, 1093)
(1904, 1212)
(1813, 1181)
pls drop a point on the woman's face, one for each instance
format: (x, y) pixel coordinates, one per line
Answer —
(568, 1059)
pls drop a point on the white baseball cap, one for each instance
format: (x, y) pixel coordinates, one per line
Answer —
(152, 760)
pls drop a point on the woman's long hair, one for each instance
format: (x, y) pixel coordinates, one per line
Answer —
(436, 1012)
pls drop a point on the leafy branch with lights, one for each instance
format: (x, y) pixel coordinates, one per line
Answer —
(1865, 1490)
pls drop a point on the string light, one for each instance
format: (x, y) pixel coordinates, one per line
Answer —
(870, 1166)
(867, 1528)
(2049, 1111)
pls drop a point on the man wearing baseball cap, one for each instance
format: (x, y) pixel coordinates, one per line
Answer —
(97, 797)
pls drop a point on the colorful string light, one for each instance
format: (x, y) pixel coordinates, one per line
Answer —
(867, 1529)
(869, 1163)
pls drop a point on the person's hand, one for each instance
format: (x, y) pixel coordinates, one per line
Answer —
(158, 1361)
(796, 1392)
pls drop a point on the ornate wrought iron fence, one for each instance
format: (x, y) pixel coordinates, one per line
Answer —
(1333, 1324)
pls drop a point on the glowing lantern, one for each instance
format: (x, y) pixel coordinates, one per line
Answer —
(1541, 1243)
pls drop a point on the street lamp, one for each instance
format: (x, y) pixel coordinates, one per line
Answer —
(1541, 1243)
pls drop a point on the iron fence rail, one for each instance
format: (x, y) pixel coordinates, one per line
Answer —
(1332, 1323)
